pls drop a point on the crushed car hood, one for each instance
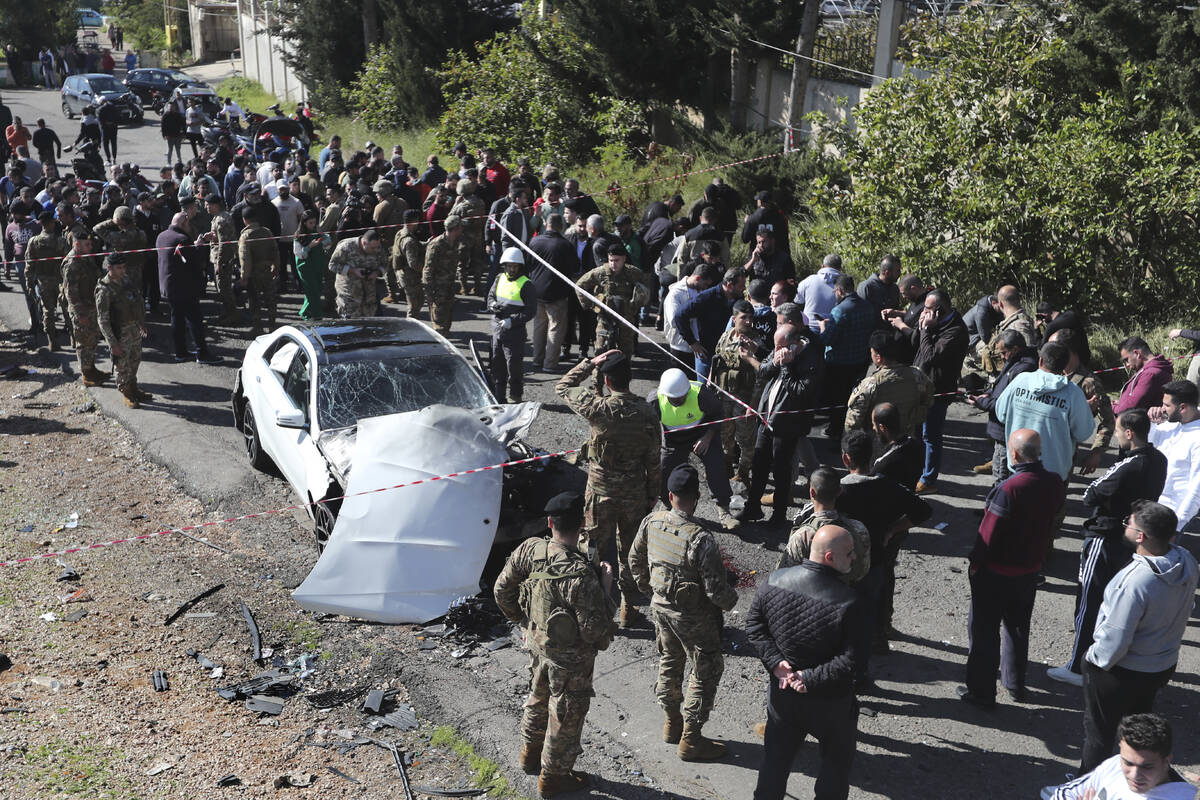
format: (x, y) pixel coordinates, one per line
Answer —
(506, 422)
(402, 556)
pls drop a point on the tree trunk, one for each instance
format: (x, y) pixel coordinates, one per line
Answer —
(802, 67)
(370, 22)
(739, 89)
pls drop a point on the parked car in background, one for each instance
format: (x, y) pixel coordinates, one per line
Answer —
(81, 91)
(148, 80)
(89, 18)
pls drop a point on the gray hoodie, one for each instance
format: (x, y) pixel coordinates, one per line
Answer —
(1145, 612)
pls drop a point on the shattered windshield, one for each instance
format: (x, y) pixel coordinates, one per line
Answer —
(385, 381)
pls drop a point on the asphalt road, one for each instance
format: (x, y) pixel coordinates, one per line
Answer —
(916, 738)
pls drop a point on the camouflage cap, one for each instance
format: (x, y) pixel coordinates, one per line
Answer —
(453, 221)
(383, 187)
(466, 186)
(123, 213)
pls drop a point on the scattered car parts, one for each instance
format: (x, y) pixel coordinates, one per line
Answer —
(187, 604)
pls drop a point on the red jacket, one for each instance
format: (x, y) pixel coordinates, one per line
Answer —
(1015, 532)
(498, 176)
(1145, 388)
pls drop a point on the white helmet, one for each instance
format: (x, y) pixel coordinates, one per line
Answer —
(674, 383)
(513, 255)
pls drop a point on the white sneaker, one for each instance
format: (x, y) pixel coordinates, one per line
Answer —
(1064, 675)
(1048, 792)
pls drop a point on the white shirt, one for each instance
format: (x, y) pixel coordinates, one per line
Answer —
(815, 293)
(233, 111)
(1108, 781)
(677, 295)
(1180, 443)
(290, 211)
(263, 176)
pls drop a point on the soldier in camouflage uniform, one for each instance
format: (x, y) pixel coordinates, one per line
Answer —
(564, 606)
(678, 562)
(80, 274)
(329, 224)
(259, 257)
(121, 315)
(1098, 401)
(735, 369)
(70, 223)
(1015, 318)
(121, 235)
(43, 267)
(907, 388)
(441, 265)
(388, 216)
(357, 263)
(223, 254)
(624, 289)
(824, 487)
(472, 264)
(408, 259)
(623, 463)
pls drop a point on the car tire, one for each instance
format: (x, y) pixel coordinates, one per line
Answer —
(67, 110)
(258, 457)
(324, 518)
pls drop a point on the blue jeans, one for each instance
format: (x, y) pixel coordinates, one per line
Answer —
(703, 366)
(931, 432)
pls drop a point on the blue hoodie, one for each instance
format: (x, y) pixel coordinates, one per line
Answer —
(1054, 407)
(1145, 613)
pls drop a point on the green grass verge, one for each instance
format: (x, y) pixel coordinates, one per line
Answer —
(248, 94)
(486, 773)
(78, 770)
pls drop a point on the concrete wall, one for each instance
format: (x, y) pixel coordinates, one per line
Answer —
(214, 28)
(262, 54)
(768, 97)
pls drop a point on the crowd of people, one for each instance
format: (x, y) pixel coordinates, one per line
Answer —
(48, 66)
(759, 355)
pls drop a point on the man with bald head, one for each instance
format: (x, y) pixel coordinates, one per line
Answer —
(803, 624)
(1018, 524)
(182, 278)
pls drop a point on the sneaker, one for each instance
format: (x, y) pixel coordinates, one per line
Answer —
(982, 469)
(926, 488)
(726, 519)
(179, 359)
(207, 358)
(1064, 675)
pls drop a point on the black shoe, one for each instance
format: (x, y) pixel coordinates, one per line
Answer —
(749, 513)
(180, 358)
(779, 519)
(865, 686)
(207, 358)
(966, 696)
(1017, 695)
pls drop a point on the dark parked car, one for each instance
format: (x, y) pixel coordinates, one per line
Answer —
(81, 91)
(145, 82)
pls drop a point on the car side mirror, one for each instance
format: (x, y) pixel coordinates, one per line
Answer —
(291, 418)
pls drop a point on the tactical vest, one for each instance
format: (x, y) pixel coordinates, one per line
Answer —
(552, 622)
(687, 413)
(671, 576)
(509, 292)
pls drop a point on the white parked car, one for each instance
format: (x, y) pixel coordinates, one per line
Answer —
(302, 389)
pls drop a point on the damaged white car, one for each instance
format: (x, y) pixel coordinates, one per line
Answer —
(303, 389)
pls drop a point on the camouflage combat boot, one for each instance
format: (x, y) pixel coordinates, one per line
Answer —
(673, 727)
(551, 784)
(531, 758)
(696, 747)
(630, 615)
(143, 396)
(131, 399)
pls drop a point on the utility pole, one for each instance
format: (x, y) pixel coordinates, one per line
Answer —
(887, 36)
(801, 66)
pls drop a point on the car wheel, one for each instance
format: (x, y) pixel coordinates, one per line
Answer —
(67, 111)
(324, 517)
(258, 457)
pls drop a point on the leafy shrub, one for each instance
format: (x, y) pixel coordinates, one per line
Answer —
(373, 96)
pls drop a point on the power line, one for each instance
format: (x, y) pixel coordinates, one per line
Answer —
(818, 61)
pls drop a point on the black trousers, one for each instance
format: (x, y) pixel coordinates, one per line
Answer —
(185, 314)
(714, 468)
(1101, 558)
(1109, 695)
(791, 716)
(773, 455)
(150, 286)
(887, 591)
(507, 367)
(108, 138)
(1001, 609)
(840, 380)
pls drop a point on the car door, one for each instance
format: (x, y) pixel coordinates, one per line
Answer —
(305, 466)
(268, 397)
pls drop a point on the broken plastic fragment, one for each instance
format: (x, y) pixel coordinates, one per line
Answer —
(160, 768)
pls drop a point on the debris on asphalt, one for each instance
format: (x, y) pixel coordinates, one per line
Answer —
(343, 775)
(462, 652)
(75, 616)
(427, 644)
(264, 704)
(438, 630)
(229, 780)
(74, 597)
(333, 697)
(200, 615)
(204, 542)
(14, 710)
(297, 780)
(399, 761)
(84, 408)
(498, 644)
(72, 522)
(373, 702)
(48, 682)
(49, 616)
(68, 573)
(470, 619)
(25, 529)
(5, 662)
(159, 679)
(203, 660)
(273, 681)
(404, 718)
(160, 768)
(255, 637)
(187, 604)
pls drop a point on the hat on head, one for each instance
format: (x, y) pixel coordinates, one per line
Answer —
(466, 186)
(383, 186)
(113, 258)
(611, 363)
(674, 383)
(565, 503)
(762, 196)
(624, 219)
(253, 186)
(123, 212)
(684, 481)
(144, 196)
(513, 255)
(453, 221)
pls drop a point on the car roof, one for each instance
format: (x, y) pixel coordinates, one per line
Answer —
(98, 75)
(367, 332)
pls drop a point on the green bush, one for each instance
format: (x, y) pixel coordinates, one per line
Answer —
(373, 97)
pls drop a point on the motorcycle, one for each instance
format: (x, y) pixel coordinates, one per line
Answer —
(87, 163)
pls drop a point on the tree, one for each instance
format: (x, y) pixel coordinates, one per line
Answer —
(990, 171)
(142, 21)
(30, 26)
